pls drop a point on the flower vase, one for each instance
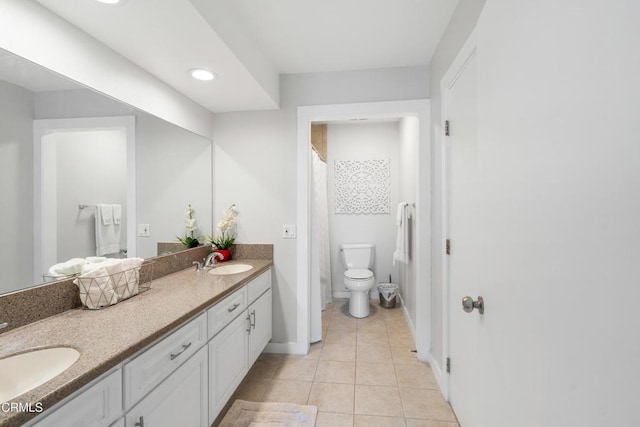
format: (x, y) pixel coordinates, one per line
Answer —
(226, 254)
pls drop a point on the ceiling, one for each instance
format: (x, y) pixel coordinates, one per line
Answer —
(249, 43)
(302, 36)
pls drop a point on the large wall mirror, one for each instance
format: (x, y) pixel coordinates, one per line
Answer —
(65, 150)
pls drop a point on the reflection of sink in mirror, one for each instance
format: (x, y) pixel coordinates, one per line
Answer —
(26, 371)
(230, 269)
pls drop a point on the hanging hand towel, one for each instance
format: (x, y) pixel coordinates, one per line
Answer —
(107, 235)
(106, 214)
(117, 214)
(402, 240)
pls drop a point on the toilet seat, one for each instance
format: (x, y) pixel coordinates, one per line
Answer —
(358, 274)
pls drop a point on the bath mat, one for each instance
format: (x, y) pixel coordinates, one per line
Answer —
(269, 414)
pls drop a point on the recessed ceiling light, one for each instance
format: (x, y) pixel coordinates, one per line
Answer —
(109, 1)
(202, 74)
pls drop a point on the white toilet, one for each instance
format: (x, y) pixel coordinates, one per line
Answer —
(358, 259)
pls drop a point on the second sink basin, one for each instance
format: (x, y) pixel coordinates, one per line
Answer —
(26, 371)
(230, 269)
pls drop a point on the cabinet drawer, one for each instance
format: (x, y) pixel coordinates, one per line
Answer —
(149, 369)
(226, 310)
(180, 401)
(259, 285)
(97, 406)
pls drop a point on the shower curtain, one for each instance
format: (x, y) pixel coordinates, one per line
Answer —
(320, 246)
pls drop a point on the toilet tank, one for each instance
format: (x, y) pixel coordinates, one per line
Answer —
(357, 255)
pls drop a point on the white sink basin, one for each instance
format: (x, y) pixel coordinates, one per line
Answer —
(26, 371)
(230, 269)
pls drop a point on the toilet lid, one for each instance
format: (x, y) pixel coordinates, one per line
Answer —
(359, 273)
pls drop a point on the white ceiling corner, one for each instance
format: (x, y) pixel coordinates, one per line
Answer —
(23, 73)
(167, 38)
(248, 43)
(302, 36)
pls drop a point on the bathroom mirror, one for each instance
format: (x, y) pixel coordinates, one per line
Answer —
(169, 168)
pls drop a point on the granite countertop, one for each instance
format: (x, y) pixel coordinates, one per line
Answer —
(107, 337)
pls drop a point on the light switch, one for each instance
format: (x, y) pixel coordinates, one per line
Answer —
(144, 230)
(289, 231)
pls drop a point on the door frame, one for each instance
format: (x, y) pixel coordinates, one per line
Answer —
(466, 53)
(43, 127)
(392, 109)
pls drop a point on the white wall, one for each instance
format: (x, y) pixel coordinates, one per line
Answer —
(343, 87)
(559, 179)
(173, 169)
(462, 23)
(31, 31)
(173, 165)
(91, 169)
(408, 129)
(258, 150)
(70, 104)
(255, 169)
(16, 166)
(363, 141)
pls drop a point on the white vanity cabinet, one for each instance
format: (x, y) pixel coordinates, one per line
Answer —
(180, 400)
(260, 325)
(153, 366)
(234, 349)
(99, 406)
(227, 363)
(186, 378)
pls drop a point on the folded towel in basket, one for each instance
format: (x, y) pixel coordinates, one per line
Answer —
(67, 268)
(105, 283)
(96, 290)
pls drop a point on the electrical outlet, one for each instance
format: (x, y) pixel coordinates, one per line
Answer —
(144, 230)
(289, 231)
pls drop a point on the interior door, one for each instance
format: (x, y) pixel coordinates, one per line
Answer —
(464, 328)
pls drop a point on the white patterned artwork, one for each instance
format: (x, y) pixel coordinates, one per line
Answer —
(362, 186)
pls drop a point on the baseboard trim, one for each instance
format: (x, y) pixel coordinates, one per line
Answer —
(440, 376)
(285, 348)
(412, 329)
(341, 294)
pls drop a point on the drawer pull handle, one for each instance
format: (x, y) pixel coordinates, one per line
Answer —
(140, 422)
(236, 305)
(184, 348)
(253, 322)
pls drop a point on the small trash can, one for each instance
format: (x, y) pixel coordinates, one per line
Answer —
(388, 292)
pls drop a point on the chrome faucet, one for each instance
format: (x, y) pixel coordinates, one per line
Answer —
(3, 325)
(210, 261)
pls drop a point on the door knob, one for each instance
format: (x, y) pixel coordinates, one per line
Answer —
(468, 304)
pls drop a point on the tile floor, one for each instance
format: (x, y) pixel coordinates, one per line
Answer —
(362, 373)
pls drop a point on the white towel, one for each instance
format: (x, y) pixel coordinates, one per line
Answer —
(96, 289)
(107, 235)
(402, 240)
(117, 214)
(126, 277)
(67, 268)
(105, 283)
(106, 214)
